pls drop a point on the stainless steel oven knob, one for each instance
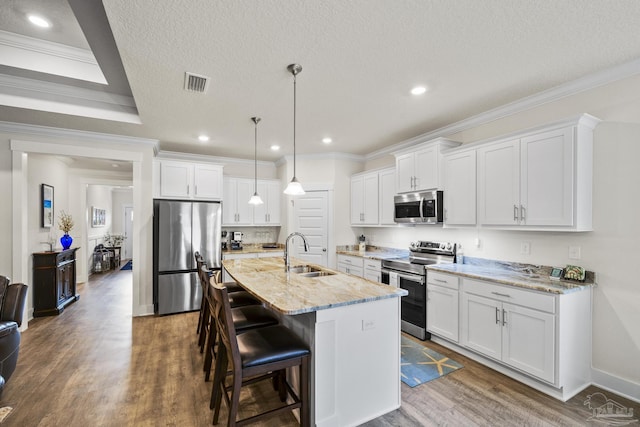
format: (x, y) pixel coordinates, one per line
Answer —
(413, 245)
(449, 246)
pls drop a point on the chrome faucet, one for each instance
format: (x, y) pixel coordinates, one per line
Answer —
(286, 248)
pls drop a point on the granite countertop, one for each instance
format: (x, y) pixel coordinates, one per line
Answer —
(534, 280)
(254, 248)
(372, 252)
(266, 279)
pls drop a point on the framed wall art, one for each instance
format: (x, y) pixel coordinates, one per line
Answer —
(98, 217)
(46, 205)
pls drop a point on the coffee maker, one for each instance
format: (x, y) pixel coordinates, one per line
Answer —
(236, 240)
(224, 239)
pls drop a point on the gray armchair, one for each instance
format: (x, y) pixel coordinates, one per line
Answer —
(12, 302)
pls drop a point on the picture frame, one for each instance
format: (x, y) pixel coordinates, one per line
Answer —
(98, 217)
(46, 206)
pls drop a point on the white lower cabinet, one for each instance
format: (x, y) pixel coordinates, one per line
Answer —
(351, 265)
(520, 334)
(442, 305)
(372, 269)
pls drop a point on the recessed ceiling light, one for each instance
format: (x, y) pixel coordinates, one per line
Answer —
(418, 90)
(327, 140)
(203, 138)
(39, 21)
(275, 147)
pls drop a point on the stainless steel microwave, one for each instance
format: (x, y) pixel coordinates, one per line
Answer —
(419, 208)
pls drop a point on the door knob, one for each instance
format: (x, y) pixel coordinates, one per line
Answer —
(324, 249)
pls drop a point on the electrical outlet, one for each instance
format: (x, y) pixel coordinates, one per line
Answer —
(525, 248)
(477, 242)
(574, 252)
(368, 324)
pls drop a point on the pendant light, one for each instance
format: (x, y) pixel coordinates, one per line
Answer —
(294, 188)
(255, 199)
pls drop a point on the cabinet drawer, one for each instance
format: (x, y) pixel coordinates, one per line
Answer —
(536, 300)
(354, 261)
(349, 269)
(373, 264)
(444, 280)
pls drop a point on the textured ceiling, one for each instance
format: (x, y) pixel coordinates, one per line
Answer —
(360, 59)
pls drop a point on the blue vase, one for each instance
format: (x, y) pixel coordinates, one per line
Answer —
(66, 241)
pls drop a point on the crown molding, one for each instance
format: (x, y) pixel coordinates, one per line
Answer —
(334, 155)
(29, 53)
(591, 81)
(39, 95)
(66, 134)
(176, 155)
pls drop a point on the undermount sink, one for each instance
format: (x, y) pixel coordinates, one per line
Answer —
(309, 271)
(317, 273)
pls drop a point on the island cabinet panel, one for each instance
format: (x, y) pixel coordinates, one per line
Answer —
(54, 282)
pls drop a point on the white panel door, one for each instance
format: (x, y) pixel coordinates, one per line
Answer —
(442, 312)
(175, 179)
(387, 186)
(499, 183)
(311, 219)
(128, 232)
(426, 169)
(460, 188)
(528, 341)
(547, 179)
(357, 199)
(405, 178)
(370, 203)
(207, 181)
(481, 325)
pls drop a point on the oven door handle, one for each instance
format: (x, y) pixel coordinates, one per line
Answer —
(412, 278)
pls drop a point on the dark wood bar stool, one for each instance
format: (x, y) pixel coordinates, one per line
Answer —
(244, 318)
(238, 298)
(255, 355)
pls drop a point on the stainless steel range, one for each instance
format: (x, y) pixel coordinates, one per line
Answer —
(411, 274)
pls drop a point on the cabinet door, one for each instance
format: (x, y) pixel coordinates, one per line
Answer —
(175, 179)
(357, 200)
(387, 191)
(261, 212)
(207, 181)
(274, 197)
(481, 325)
(460, 189)
(546, 191)
(243, 208)
(374, 276)
(229, 201)
(442, 312)
(499, 183)
(405, 173)
(370, 202)
(426, 169)
(528, 341)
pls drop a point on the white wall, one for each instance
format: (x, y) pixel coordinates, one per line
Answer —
(120, 199)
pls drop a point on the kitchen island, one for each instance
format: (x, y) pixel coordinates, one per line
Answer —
(352, 326)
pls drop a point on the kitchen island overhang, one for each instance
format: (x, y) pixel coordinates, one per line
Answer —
(352, 326)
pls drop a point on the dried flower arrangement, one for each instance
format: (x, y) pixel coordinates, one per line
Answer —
(65, 223)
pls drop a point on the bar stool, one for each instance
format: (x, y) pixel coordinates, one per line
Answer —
(238, 298)
(244, 318)
(255, 355)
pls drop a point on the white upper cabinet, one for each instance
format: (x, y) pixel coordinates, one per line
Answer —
(460, 188)
(268, 213)
(418, 168)
(539, 180)
(185, 180)
(387, 191)
(364, 199)
(236, 209)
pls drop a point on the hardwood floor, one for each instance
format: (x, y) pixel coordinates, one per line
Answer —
(95, 365)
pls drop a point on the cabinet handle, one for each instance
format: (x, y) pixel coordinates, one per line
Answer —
(523, 210)
(187, 188)
(268, 217)
(440, 280)
(504, 317)
(195, 189)
(515, 213)
(497, 316)
(501, 295)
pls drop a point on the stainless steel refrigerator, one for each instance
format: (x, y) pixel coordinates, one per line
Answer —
(180, 228)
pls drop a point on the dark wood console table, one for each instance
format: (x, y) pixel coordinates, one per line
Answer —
(54, 281)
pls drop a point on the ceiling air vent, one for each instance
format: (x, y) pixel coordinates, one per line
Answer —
(195, 83)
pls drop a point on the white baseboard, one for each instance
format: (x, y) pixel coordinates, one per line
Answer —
(617, 385)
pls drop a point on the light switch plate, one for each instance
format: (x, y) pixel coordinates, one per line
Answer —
(574, 252)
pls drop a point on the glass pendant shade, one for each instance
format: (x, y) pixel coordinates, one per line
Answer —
(255, 199)
(294, 188)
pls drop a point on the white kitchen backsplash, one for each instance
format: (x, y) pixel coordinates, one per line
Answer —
(256, 234)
